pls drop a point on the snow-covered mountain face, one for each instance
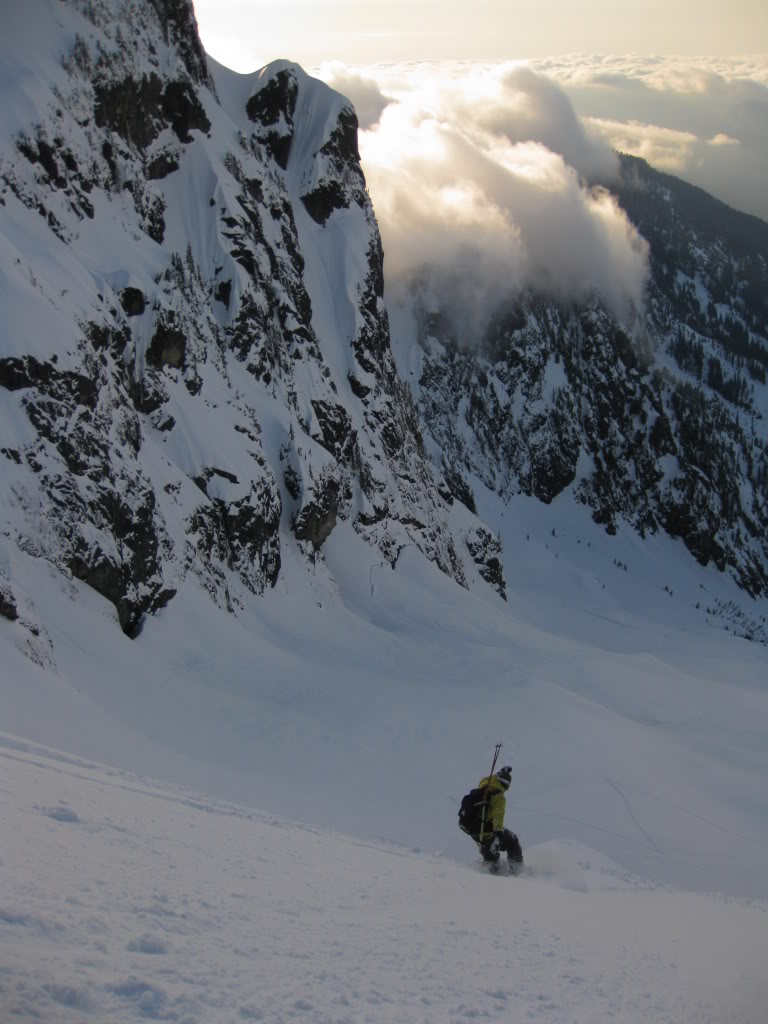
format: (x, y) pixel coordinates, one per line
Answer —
(656, 420)
(196, 367)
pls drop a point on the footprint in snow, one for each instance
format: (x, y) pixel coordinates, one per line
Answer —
(61, 813)
(146, 944)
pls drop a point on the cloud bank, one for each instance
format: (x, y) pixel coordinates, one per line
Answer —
(704, 120)
(481, 176)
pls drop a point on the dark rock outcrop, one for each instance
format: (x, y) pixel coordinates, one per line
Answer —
(318, 514)
(133, 301)
(486, 554)
(272, 109)
(138, 109)
(8, 607)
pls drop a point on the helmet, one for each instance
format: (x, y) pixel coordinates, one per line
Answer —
(504, 775)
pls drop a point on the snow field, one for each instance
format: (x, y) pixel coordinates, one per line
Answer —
(631, 727)
(126, 900)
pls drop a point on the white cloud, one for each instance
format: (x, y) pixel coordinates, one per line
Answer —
(721, 139)
(364, 92)
(481, 175)
(664, 148)
(479, 169)
(531, 106)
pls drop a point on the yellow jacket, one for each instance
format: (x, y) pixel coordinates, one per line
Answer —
(497, 806)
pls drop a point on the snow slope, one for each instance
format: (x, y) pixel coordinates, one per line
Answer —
(133, 901)
(369, 700)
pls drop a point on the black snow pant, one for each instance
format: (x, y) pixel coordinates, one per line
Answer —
(497, 843)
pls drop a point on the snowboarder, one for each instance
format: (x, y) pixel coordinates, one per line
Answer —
(482, 817)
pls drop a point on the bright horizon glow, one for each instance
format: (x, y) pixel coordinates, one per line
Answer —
(246, 35)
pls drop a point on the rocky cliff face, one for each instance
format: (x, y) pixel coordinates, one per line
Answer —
(199, 371)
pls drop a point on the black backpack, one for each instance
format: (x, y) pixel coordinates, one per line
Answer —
(471, 811)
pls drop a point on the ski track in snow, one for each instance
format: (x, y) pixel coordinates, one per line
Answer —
(127, 900)
(626, 801)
